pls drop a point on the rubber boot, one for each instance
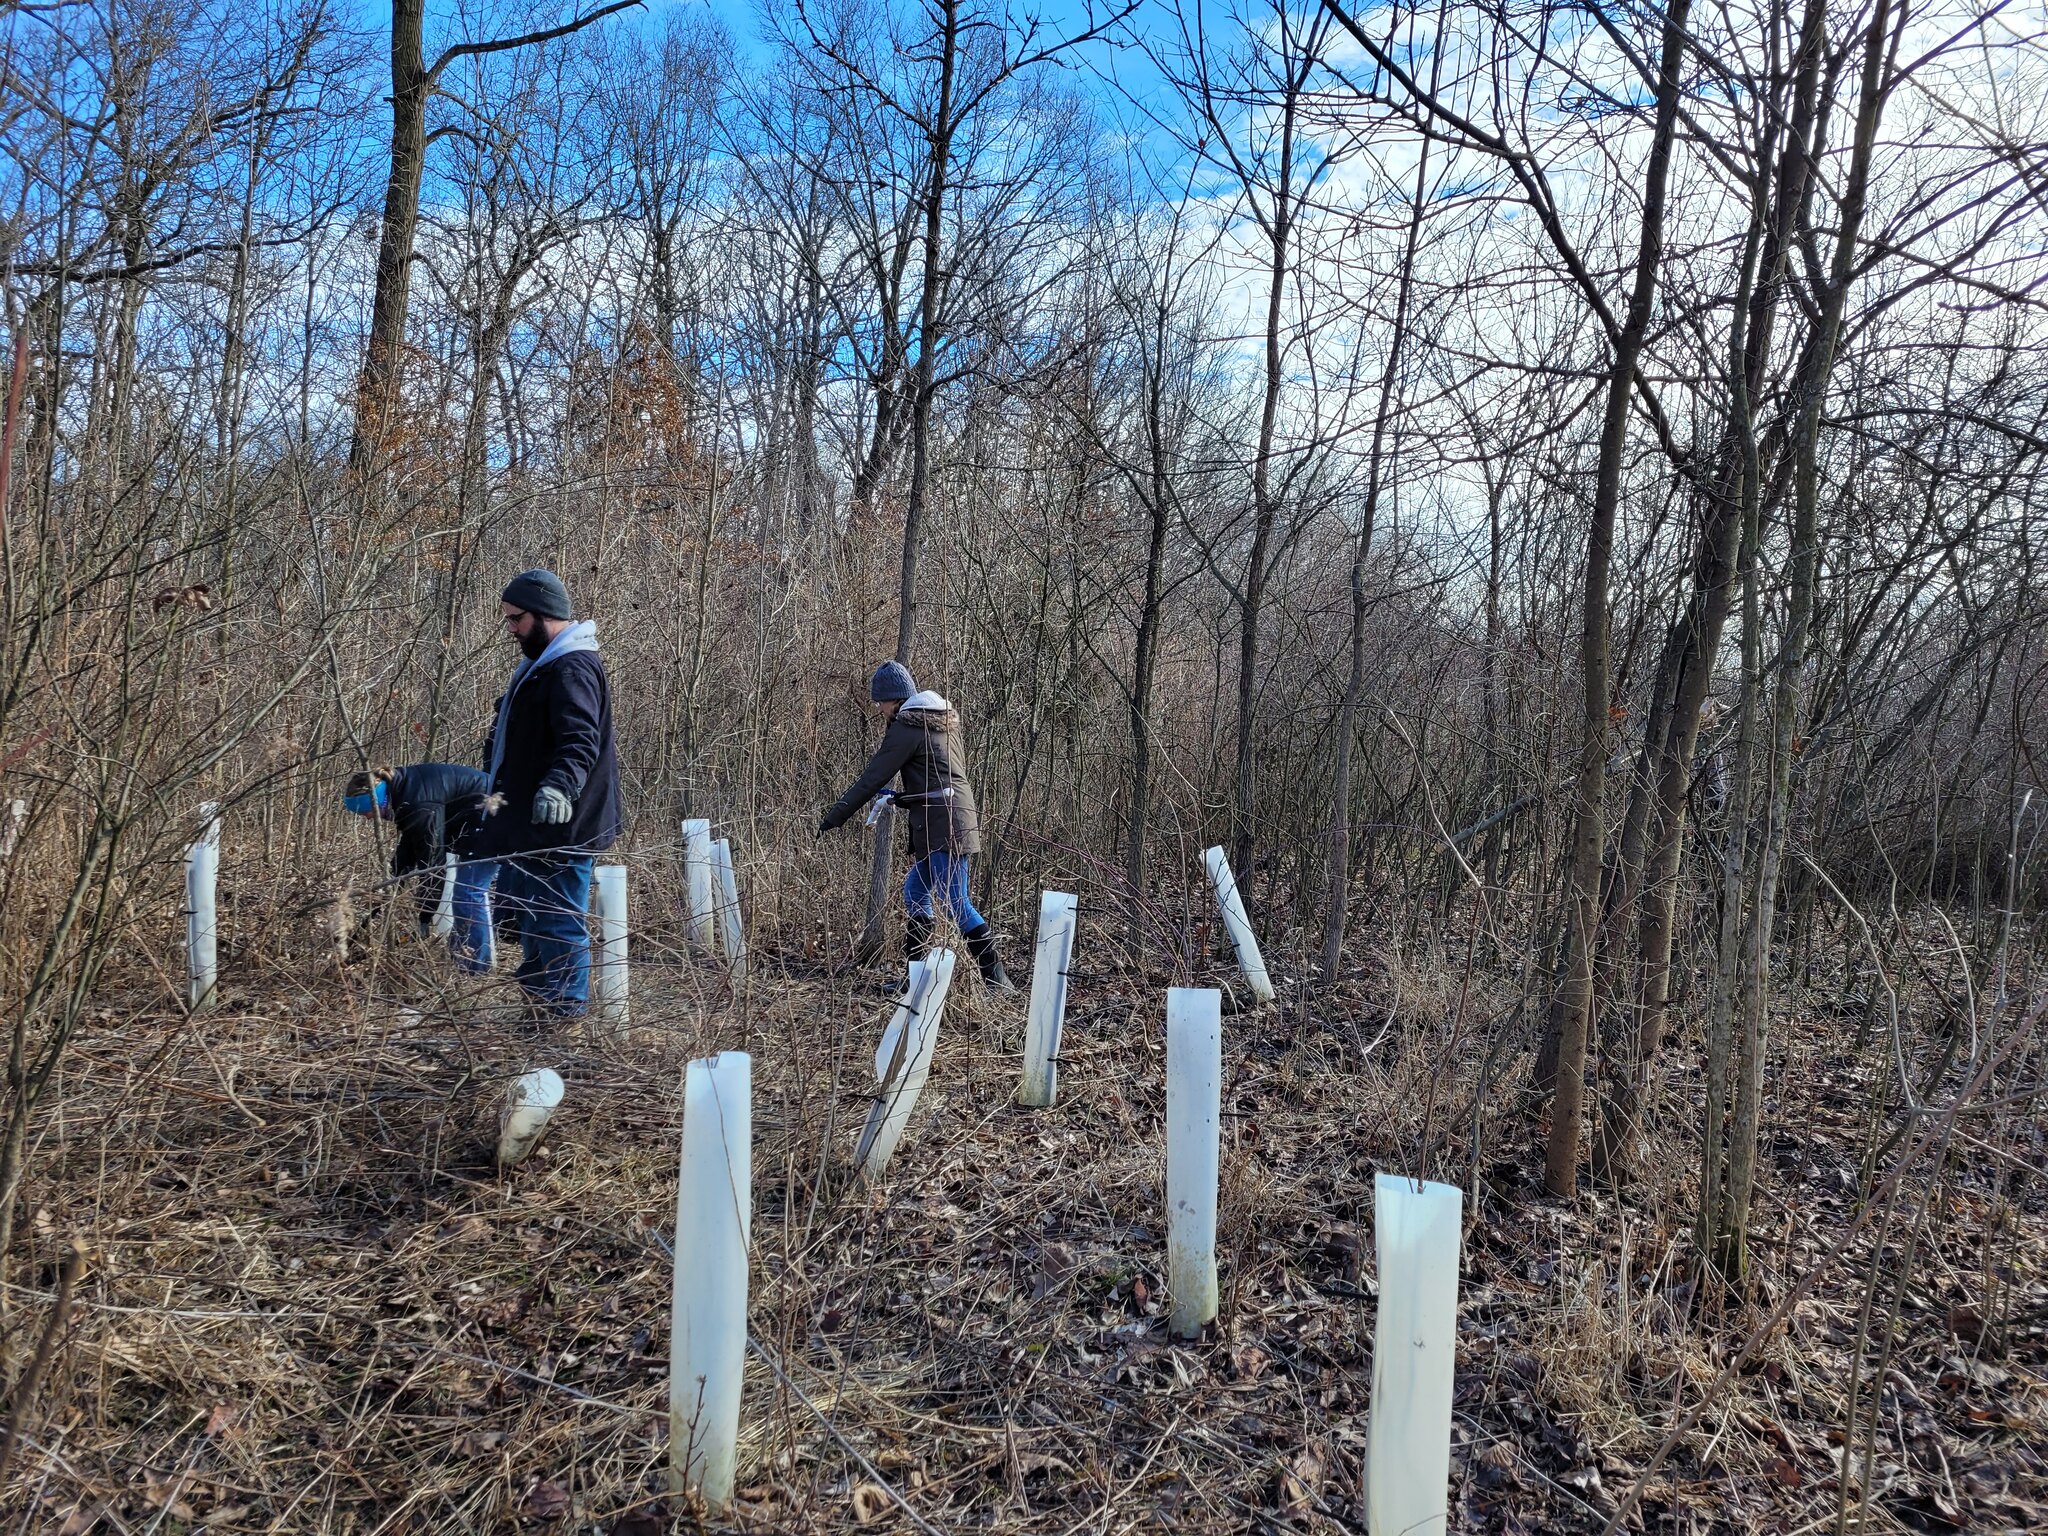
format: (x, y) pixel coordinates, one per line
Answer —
(982, 945)
(917, 936)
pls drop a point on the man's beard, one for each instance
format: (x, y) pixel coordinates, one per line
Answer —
(533, 642)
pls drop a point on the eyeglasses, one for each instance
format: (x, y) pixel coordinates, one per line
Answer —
(512, 620)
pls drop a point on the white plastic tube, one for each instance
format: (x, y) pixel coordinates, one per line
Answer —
(708, 1330)
(444, 910)
(1242, 939)
(1417, 1228)
(1055, 953)
(732, 932)
(202, 930)
(528, 1108)
(1194, 1101)
(10, 829)
(697, 881)
(608, 974)
(904, 1061)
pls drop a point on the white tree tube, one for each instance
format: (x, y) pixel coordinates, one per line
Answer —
(444, 909)
(1194, 1102)
(10, 830)
(608, 974)
(1242, 939)
(1055, 953)
(202, 931)
(528, 1108)
(209, 825)
(904, 1061)
(732, 932)
(697, 881)
(708, 1330)
(1417, 1228)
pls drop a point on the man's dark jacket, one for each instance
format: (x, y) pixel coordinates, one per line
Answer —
(559, 732)
(922, 744)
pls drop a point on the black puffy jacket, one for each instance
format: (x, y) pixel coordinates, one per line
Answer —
(436, 809)
(923, 745)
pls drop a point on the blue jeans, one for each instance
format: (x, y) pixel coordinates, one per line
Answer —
(940, 879)
(471, 940)
(546, 896)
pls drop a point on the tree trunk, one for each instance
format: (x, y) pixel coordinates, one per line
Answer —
(1145, 663)
(941, 149)
(1726, 1240)
(1561, 1163)
(1265, 513)
(1339, 849)
(1696, 638)
(383, 360)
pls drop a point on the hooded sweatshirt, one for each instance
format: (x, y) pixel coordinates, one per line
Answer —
(922, 744)
(554, 727)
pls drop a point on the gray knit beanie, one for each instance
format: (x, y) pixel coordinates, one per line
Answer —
(538, 592)
(891, 683)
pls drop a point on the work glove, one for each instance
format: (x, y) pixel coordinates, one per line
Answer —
(552, 808)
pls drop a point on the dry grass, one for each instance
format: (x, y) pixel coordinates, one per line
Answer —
(314, 1306)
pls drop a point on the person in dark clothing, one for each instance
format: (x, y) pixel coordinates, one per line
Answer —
(436, 809)
(552, 760)
(922, 744)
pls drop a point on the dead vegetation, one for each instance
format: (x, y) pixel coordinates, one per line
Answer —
(312, 1304)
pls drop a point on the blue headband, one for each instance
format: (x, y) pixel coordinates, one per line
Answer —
(379, 798)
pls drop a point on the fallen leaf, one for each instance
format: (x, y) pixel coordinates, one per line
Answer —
(1247, 1361)
(166, 1493)
(1298, 1481)
(652, 1521)
(870, 1504)
(547, 1501)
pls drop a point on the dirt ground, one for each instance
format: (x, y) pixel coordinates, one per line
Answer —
(312, 1304)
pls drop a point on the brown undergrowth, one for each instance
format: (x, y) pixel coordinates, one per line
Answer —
(313, 1305)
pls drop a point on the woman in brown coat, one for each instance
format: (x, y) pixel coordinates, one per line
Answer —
(922, 745)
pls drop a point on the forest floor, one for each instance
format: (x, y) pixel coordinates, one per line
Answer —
(312, 1304)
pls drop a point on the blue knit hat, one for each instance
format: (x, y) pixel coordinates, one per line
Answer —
(891, 683)
(538, 592)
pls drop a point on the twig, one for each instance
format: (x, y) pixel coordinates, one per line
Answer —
(832, 1429)
(23, 1390)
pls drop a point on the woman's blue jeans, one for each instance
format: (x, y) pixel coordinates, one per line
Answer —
(940, 880)
(471, 941)
(546, 895)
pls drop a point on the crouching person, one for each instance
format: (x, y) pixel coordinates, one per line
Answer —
(436, 809)
(922, 744)
(552, 762)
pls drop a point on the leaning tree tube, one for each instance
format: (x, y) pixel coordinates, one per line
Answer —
(1242, 939)
(904, 1060)
(528, 1108)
